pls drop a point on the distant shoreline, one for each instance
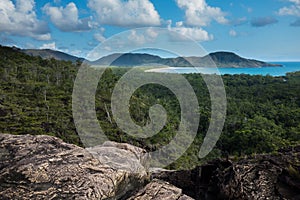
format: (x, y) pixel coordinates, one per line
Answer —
(281, 70)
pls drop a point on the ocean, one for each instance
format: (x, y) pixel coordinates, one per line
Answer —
(272, 71)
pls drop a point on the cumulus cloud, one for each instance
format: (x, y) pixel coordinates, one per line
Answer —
(67, 19)
(293, 10)
(185, 33)
(263, 21)
(99, 36)
(151, 33)
(136, 38)
(139, 38)
(51, 45)
(130, 13)
(19, 18)
(198, 13)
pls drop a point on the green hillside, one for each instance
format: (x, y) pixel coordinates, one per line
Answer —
(36, 96)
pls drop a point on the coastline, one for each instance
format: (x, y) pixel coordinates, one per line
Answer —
(286, 67)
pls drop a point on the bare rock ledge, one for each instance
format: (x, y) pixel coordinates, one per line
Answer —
(44, 167)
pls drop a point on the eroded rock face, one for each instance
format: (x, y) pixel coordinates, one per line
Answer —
(44, 167)
(263, 177)
(122, 156)
(158, 190)
(275, 176)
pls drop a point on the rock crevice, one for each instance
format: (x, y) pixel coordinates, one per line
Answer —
(44, 167)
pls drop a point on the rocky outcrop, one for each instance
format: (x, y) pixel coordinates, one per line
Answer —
(263, 176)
(197, 182)
(44, 167)
(122, 156)
(275, 176)
(158, 189)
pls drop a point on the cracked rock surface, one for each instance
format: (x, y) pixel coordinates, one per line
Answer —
(44, 167)
(270, 176)
(157, 190)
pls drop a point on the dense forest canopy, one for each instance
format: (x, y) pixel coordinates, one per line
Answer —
(263, 112)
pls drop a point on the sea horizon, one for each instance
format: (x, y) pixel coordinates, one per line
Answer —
(287, 67)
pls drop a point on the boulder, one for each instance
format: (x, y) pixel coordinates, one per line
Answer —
(157, 190)
(122, 156)
(44, 167)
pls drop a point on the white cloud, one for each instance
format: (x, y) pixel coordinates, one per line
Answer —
(198, 13)
(185, 33)
(180, 23)
(77, 53)
(99, 36)
(49, 46)
(233, 33)
(67, 19)
(19, 18)
(130, 13)
(150, 32)
(291, 10)
(136, 38)
(146, 36)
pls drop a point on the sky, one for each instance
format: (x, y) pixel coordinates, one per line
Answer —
(268, 30)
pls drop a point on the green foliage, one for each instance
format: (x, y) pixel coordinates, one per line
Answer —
(35, 96)
(263, 112)
(293, 172)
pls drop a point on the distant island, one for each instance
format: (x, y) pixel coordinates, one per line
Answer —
(216, 59)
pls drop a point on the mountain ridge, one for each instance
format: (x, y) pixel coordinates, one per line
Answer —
(215, 59)
(49, 53)
(221, 59)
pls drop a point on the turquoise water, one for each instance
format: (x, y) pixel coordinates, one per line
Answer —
(273, 71)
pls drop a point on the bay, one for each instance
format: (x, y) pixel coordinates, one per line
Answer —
(272, 71)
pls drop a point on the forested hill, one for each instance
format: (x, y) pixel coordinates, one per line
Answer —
(216, 59)
(35, 95)
(263, 112)
(48, 54)
(43, 53)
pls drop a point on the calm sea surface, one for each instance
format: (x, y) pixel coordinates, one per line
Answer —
(273, 71)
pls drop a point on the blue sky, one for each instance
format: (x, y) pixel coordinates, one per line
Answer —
(267, 30)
